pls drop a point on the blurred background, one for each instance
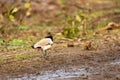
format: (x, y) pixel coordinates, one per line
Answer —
(26, 21)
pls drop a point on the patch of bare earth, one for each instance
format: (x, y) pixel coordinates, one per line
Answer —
(63, 57)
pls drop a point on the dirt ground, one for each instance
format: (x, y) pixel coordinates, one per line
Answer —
(63, 57)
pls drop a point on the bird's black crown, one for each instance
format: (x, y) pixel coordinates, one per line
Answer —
(51, 37)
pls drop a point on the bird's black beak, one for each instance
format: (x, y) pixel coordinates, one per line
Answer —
(32, 47)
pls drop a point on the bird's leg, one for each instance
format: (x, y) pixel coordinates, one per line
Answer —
(45, 53)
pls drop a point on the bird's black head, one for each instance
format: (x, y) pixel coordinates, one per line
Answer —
(51, 37)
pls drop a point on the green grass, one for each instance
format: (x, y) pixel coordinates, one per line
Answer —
(1, 41)
(116, 31)
(23, 27)
(96, 14)
(16, 42)
(40, 27)
(71, 32)
(117, 10)
(22, 56)
(17, 57)
(2, 59)
(90, 36)
(101, 25)
(26, 56)
(63, 2)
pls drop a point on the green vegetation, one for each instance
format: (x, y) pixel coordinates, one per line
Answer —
(16, 42)
(10, 14)
(76, 24)
(25, 56)
(40, 27)
(23, 27)
(63, 2)
(1, 41)
(101, 25)
(21, 56)
(17, 57)
(117, 10)
(2, 59)
(70, 32)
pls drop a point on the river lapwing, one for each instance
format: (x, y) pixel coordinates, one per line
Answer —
(44, 44)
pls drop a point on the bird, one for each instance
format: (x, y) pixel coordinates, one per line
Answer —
(44, 44)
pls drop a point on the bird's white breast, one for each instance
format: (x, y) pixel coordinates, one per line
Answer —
(46, 47)
(44, 43)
